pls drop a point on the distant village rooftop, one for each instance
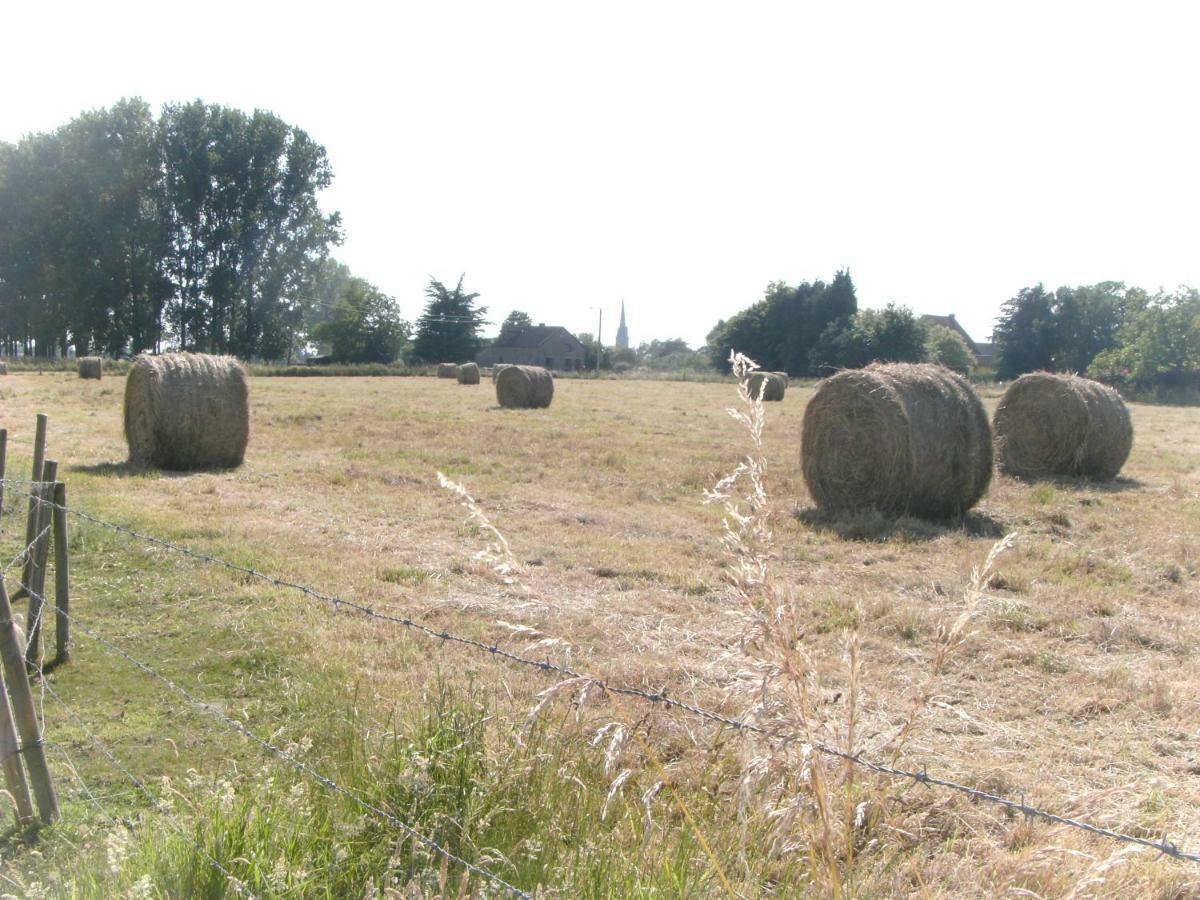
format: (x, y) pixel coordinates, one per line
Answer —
(551, 346)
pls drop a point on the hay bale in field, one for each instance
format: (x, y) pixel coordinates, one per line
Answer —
(3, 368)
(1061, 425)
(524, 387)
(903, 439)
(187, 411)
(447, 370)
(90, 367)
(774, 388)
(468, 373)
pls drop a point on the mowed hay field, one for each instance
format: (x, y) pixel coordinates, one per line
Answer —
(1077, 689)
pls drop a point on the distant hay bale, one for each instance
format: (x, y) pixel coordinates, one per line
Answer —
(468, 373)
(187, 411)
(497, 369)
(447, 370)
(1061, 425)
(90, 367)
(524, 387)
(776, 385)
(3, 368)
(902, 439)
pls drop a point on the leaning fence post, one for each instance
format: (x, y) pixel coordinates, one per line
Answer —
(25, 713)
(3, 464)
(40, 554)
(39, 457)
(62, 575)
(14, 775)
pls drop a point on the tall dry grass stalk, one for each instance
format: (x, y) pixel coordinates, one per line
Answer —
(814, 807)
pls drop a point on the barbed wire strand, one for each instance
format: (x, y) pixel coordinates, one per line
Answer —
(155, 803)
(1164, 846)
(298, 764)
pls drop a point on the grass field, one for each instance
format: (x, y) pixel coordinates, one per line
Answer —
(1077, 687)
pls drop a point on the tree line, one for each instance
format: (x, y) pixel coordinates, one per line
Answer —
(199, 228)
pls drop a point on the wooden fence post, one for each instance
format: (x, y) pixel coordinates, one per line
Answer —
(25, 713)
(3, 464)
(14, 775)
(62, 576)
(39, 457)
(41, 561)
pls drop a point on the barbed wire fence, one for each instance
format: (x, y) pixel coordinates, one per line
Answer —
(660, 697)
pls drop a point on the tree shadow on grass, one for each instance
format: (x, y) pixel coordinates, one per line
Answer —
(873, 526)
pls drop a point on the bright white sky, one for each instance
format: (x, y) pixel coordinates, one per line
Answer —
(682, 155)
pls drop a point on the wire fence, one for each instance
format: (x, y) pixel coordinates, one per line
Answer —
(659, 697)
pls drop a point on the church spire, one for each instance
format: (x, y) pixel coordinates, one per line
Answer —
(622, 331)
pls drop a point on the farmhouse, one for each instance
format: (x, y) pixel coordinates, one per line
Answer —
(550, 346)
(985, 354)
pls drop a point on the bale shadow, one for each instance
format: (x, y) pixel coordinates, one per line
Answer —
(873, 526)
(128, 470)
(1118, 485)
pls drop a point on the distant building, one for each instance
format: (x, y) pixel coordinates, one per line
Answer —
(622, 331)
(985, 354)
(551, 346)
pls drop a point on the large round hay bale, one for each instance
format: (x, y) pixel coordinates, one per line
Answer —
(187, 411)
(524, 387)
(447, 370)
(1061, 425)
(468, 373)
(90, 367)
(903, 439)
(771, 384)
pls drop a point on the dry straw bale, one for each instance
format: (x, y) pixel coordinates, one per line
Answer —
(775, 387)
(468, 373)
(3, 368)
(903, 439)
(187, 411)
(524, 387)
(1061, 425)
(447, 370)
(90, 367)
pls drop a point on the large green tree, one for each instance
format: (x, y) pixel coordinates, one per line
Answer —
(1160, 336)
(364, 325)
(201, 229)
(1061, 331)
(780, 331)
(448, 330)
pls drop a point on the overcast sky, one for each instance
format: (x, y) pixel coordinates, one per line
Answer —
(683, 155)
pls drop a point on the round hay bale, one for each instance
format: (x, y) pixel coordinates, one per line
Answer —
(187, 411)
(1061, 425)
(524, 387)
(3, 368)
(468, 373)
(447, 370)
(775, 385)
(90, 367)
(903, 439)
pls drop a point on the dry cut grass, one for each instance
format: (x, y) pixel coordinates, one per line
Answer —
(1074, 684)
